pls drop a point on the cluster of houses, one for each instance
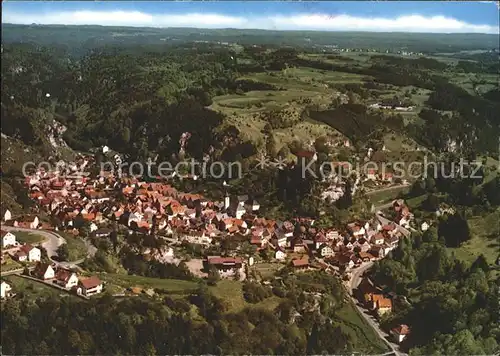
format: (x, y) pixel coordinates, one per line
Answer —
(68, 279)
(17, 251)
(374, 300)
(361, 243)
(160, 208)
(403, 214)
(62, 277)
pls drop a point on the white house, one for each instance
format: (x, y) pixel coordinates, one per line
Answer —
(44, 271)
(280, 239)
(326, 251)
(252, 206)
(5, 290)
(89, 286)
(93, 227)
(424, 226)
(8, 239)
(371, 174)
(280, 255)
(405, 222)
(29, 253)
(377, 239)
(32, 224)
(66, 279)
(7, 215)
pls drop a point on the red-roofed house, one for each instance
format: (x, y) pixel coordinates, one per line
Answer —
(29, 253)
(44, 271)
(89, 286)
(300, 263)
(66, 278)
(371, 174)
(224, 263)
(400, 332)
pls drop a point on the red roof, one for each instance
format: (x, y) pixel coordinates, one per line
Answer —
(3, 233)
(402, 329)
(224, 260)
(300, 263)
(90, 282)
(307, 154)
(26, 248)
(321, 238)
(63, 275)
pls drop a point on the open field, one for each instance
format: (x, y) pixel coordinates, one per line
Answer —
(170, 285)
(484, 82)
(10, 264)
(28, 237)
(397, 143)
(232, 294)
(416, 201)
(244, 110)
(386, 196)
(267, 270)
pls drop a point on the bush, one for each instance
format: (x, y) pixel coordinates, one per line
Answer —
(254, 292)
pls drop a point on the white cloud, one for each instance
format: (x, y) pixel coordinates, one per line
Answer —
(410, 23)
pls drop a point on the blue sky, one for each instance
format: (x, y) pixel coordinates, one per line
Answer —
(411, 16)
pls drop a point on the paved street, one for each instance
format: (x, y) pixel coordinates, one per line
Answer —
(356, 276)
(52, 242)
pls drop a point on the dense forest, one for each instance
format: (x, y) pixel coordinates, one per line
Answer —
(168, 326)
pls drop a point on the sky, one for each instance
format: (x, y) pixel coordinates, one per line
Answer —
(374, 16)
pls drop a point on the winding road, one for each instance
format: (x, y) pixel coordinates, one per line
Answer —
(52, 242)
(353, 283)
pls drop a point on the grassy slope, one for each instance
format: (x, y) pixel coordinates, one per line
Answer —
(356, 327)
(173, 285)
(27, 237)
(243, 110)
(485, 232)
(34, 289)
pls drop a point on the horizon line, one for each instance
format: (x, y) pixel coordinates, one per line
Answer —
(246, 29)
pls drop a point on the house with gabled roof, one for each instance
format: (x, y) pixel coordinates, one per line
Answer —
(8, 239)
(280, 254)
(44, 271)
(66, 278)
(89, 286)
(5, 290)
(29, 253)
(400, 332)
(302, 263)
(326, 250)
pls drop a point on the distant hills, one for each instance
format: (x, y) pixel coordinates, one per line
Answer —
(92, 36)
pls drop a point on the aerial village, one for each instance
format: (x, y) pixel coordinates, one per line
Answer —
(160, 209)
